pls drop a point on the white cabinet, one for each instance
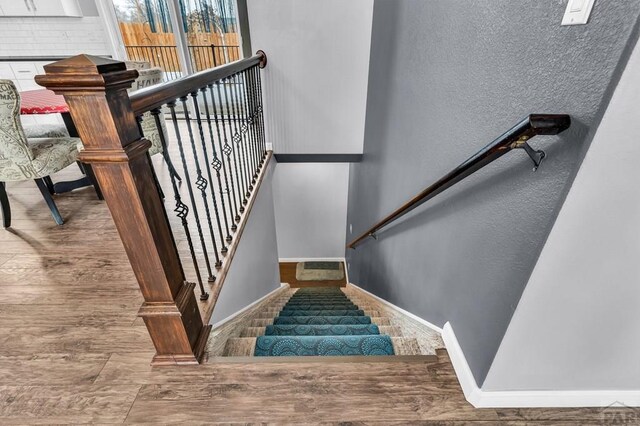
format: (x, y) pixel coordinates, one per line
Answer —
(23, 73)
(56, 8)
(24, 70)
(40, 8)
(6, 73)
(15, 8)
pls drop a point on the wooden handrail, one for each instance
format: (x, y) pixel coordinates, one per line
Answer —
(155, 96)
(516, 137)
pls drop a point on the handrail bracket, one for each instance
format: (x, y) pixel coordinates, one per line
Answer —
(536, 155)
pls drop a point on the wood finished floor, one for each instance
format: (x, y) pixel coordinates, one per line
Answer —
(72, 350)
(288, 275)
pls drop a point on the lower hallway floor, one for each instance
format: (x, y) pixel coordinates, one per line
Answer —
(73, 351)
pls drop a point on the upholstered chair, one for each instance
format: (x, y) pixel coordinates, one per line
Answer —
(45, 131)
(22, 158)
(147, 78)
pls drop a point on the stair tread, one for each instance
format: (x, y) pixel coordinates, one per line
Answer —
(322, 320)
(316, 313)
(321, 329)
(316, 307)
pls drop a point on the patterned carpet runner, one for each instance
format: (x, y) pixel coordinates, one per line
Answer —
(322, 321)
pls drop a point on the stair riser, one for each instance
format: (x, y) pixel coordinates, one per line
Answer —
(323, 345)
(277, 312)
(330, 313)
(322, 320)
(253, 332)
(321, 330)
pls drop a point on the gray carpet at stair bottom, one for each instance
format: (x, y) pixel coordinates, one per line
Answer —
(319, 271)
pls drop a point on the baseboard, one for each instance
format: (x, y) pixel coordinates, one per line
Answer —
(528, 399)
(248, 307)
(311, 259)
(400, 310)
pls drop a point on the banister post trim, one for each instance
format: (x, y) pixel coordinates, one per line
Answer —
(95, 90)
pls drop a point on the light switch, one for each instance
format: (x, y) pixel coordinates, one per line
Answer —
(577, 12)
(576, 5)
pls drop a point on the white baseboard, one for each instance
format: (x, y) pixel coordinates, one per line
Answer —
(527, 399)
(402, 311)
(311, 259)
(246, 308)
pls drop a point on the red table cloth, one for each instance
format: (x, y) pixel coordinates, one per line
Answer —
(42, 101)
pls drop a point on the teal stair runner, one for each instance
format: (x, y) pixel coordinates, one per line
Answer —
(321, 330)
(323, 345)
(322, 322)
(317, 307)
(332, 313)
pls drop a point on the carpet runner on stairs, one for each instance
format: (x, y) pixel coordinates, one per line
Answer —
(302, 338)
(320, 321)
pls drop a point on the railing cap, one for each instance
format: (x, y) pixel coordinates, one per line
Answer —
(85, 64)
(85, 73)
(263, 58)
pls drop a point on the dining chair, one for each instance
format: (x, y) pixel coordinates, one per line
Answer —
(23, 158)
(32, 131)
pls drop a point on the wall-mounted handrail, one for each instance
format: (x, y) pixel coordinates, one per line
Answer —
(516, 137)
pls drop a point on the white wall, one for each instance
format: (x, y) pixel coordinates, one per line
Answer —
(54, 36)
(577, 326)
(254, 271)
(315, 85)
(311, 209)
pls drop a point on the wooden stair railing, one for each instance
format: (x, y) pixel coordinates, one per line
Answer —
(229, 144)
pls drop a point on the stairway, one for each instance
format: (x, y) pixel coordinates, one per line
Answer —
(320, 321)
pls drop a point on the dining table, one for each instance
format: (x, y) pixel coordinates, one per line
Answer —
(44, 101)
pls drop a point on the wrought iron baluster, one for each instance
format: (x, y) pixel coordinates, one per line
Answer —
(254, 115)
(237, 139)
(226, 171)
(217, 164)
(181, 210)
(261, 115)
(228, 150)
(244, 127)
(201, 182)
(237, 177)
(258, 107)
(205, 154)
(251, 123)
(196, 216)
(240, 139)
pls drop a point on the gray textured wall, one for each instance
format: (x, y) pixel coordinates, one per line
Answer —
(254, 271)
(446, 77)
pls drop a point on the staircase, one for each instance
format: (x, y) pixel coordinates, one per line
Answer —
(320, 321)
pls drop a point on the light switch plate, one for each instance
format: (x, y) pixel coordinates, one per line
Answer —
(577, 12)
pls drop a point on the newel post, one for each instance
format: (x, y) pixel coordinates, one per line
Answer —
(95, 90)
